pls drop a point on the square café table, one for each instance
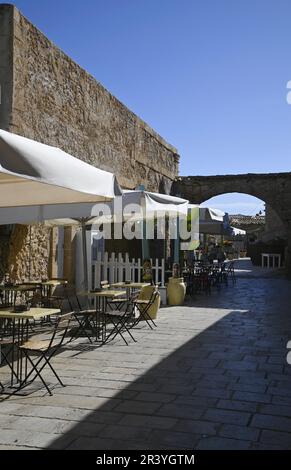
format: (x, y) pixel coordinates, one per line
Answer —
(34, 313)
(130, 286)
(101, 297)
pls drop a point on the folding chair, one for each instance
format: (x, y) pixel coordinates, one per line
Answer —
(4, 357)
(147, 298)
(55, 299)
(85, 317)
(45, 349)
(113, 304)
(120, 321)
(230, 273)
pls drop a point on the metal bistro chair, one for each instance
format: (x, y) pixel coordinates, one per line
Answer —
(54, 299)
(8, 343)
(85, 317)
(145, 300)
(45, 349)
(7, 295)
(202, 281)
(121, 321)
(230, 273)
(117, 317)
(113, 304)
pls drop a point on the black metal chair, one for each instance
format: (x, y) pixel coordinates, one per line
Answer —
(113, 304)
(7, 343)
(202, 281)
(53, 299)
(143, 303)
(84, 317)
(230, 273)
(45, 349)
(7, 295)
(115, 317)
(121, 324)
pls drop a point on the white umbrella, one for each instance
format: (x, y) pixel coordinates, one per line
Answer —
(33, 173)
(152, 204)
(213, 221)
(144, 203)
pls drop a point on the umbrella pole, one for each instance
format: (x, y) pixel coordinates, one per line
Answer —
(177, 244)
(144, 242)
(85, 261)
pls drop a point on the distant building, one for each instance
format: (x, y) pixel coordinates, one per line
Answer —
(254, 225)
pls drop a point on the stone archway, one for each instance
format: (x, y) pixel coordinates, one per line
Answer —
(273, 188)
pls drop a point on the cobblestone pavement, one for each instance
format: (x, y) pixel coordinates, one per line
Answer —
(213, 375)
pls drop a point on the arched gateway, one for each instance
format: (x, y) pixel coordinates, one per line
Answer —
(273, 188)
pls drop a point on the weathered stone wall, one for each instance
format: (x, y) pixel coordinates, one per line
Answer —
(49, 98)
(5, 233)
(274, 226)
(28, 253)
(6, 64)
(59, 103)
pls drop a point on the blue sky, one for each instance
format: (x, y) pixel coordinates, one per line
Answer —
(209, 75)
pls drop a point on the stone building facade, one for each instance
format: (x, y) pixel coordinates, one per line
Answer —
(275, 229)
(46, 96)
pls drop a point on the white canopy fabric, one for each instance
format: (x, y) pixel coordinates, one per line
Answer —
(133, 204)
(51, 214)
(34, 173)
(39, 182)
(152, 204)
(213, 221)
(216, 222)
(207, 214)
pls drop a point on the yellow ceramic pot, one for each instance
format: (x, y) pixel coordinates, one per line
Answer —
(176, 290)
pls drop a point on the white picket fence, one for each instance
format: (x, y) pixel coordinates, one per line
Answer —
(119, 268)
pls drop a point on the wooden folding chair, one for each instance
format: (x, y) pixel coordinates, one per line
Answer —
(45, 350)
(143, 303)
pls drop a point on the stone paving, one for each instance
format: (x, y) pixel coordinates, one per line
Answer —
(213, 375)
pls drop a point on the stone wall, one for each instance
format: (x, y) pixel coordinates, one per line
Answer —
(5, 234)
(6, 65)
(28, 253)
(275, 229)
(49, 98)
(59, 103)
